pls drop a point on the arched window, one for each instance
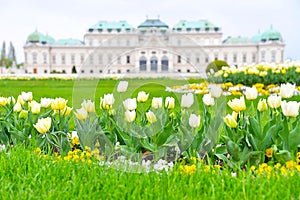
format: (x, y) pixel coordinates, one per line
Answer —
(153, 64)
(165, 63)
(143, 63)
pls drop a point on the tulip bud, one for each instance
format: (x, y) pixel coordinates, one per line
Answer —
(208, 100)
(157, 102)
(251, 93)
(187, 100)
(81, 114)
(20, 100)
(11, 100)
(194, 120)
(262, 105)
(130, 104)
(23, 114)
(17, 107)
(151, 117)
(142, 96)
(130, 116)
(170, 103)
(66, 112)
(122, 86)
(230, 121)
(43, 125)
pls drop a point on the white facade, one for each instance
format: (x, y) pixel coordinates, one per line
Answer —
(152, 47)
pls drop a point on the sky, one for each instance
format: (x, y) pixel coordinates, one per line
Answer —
(71, 18)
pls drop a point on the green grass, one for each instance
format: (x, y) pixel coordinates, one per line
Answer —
(24, 175)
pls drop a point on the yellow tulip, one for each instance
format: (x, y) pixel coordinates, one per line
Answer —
(262, 105)
(142, 96)
(59, 104)
(230, 121)
(43, 125)
(3, 101)
(237, 104)
(35, 107)
(151, 117)
(17, 107)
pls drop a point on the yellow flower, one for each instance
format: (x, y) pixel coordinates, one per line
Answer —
(230, 120)
(66, 111)
(3, 101)
(170, 103)
(43, 125)
(262, 105)
(59, 104)
(290, 164)
(237, 104)
(20, 100)
(23, 114)
(151, 117)
(269, 152)
(142, 96)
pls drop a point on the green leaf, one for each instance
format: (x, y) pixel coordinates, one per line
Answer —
(255, 127)
(294, 138)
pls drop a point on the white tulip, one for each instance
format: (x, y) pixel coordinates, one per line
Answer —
(157, 102)
(46, 102)
(130, 116)
(187, 100)
(215, 90)
(17, 107)
(251, 93)
(108, 100)
(35, 107)
(142, 96)
(194, 120)
(122, 86)
(274, 101)
(290, 109)
(208, 100)
(130, 104)
(81, 114)
(26, 96)
(88, 105)
(287, 90)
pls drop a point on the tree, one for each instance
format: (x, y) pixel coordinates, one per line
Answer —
(216, 65)
(3, 54)
(11, 53)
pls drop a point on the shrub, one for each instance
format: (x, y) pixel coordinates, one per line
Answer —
(216, 65)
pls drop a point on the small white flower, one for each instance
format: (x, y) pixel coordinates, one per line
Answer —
(157, 102)
(2, 147)
(287, 90)
(251, 93)
(215, 90)
(194, 120)
(46, 102)
(26, 96)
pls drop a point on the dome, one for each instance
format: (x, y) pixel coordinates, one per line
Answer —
(256, 38)
(150, 23)
(272, 35)
(36, 37)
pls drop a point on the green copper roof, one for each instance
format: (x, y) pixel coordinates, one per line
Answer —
(256, 38)
(271, 34)
(105, 25)
(69, 41)
(149, 23)
(39, 37)
(197, 25)
(236, 40)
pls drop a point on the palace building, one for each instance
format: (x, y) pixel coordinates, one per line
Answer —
(152, 47)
